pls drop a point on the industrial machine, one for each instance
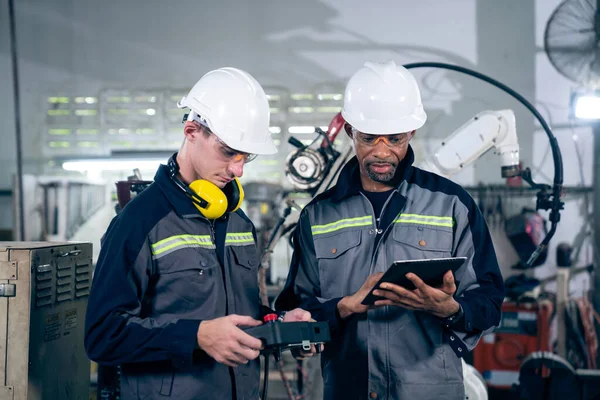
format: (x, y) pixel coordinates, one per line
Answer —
(486, 130)
(548, 376)
(44, 288)
(129, 188)
(571, 370)
(524, 329)
(56, 207)
(314, 169)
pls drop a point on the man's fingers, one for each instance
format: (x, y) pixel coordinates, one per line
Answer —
(387, 294)
(237, 355)
(383, 303)
(392, 288)
(246, 353)
(410, 304)
(249, 341)
(305, 354)
(227, 359)
(244, 320)
(399, 291)
(297, 315)
(298, 355)
(392, 300)
(237, 359)
(304, 315)
(418, 282)
(373, 279)
(449, 286)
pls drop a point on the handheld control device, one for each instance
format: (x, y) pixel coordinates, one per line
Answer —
(279, 336)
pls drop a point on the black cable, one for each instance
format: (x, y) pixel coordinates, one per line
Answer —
(554, 204)
(15, 70)
(298, 142)
(275, 230)
(538, 169)
(266, 378)
(329, 149)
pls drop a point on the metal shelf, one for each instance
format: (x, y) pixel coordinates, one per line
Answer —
(524, 191)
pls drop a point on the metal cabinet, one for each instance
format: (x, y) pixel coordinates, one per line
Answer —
(44, 287)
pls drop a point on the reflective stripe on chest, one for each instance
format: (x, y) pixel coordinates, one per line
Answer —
(239, 239)
(424, 220)
(417, 219)
(342, 224)
(176, 242)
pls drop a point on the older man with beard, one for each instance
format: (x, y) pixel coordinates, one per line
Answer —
(408, 344)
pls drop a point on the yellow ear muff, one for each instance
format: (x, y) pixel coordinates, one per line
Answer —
(237, 195)
(213, 195)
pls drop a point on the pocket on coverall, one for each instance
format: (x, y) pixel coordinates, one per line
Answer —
(336, 254)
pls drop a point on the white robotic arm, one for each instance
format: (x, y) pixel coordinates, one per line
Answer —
(466, 144)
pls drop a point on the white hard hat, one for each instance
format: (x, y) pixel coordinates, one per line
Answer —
(235, 108)
(383, 99)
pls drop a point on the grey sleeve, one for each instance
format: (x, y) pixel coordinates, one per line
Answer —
(115, 331)
(480, 292)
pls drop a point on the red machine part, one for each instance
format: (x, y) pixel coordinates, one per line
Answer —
(525, 328)
(335, 126)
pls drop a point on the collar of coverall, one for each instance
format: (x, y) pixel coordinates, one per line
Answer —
(351, 174)
(182, 204)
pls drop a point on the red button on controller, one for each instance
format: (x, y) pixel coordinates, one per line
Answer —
(270, 317)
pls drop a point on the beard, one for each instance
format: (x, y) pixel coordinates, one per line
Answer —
(384, 177)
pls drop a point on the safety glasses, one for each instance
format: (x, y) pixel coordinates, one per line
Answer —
(227, 153)
(393, 140)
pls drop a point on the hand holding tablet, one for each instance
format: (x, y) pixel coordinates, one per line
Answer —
(431, 271)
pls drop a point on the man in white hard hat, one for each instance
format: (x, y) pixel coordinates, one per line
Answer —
(176, 278)
(408, 343)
